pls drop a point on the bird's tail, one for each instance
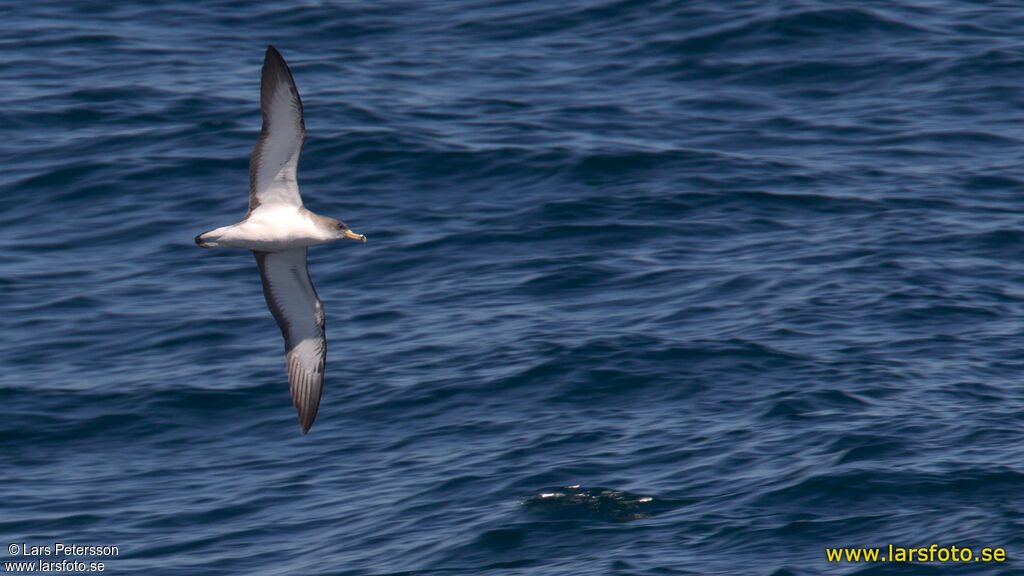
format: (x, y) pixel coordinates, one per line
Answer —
(208, 239)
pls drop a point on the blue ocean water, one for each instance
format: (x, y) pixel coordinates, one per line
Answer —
(650, 288)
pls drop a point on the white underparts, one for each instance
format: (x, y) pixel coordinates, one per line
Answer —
(272, 229)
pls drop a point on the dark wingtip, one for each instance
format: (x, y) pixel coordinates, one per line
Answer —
(307, 414)
(276, 72)
(199, 241)
(272, 54)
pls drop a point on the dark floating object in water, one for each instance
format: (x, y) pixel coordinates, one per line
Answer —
(573, 502)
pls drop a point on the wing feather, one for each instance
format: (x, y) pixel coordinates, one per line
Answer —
(293, 301)
(275, 158)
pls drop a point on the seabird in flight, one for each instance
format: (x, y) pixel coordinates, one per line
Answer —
(278, 228)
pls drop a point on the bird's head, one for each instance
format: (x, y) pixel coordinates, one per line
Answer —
(343, 231)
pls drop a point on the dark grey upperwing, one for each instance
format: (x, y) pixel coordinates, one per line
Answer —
(275, 158)
(297, 308)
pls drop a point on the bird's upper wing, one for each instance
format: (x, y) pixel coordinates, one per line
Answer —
(296, 307)
(275, 158)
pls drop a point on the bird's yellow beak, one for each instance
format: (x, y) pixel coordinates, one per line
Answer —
(354, 236)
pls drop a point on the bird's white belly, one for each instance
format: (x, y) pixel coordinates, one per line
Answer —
(271, 231)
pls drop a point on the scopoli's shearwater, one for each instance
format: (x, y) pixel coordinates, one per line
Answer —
(278, 228)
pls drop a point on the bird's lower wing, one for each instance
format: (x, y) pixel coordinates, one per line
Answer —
(296, 307)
